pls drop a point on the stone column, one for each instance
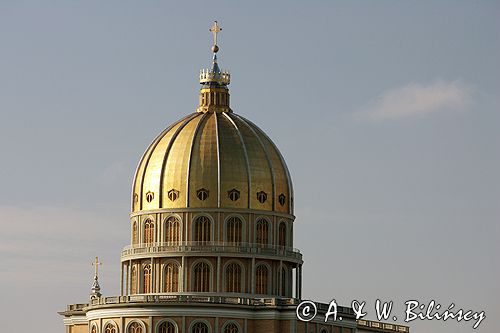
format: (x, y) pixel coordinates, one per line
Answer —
(300, 281)
(280, 279)
(184, 275)
(127, 273)
(129, 277)
(252, 278)
(218, 274)
(160, 278)
(297, 281)
(152, 283)
(121, 279)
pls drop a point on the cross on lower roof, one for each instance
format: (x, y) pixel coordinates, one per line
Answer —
(96, 263)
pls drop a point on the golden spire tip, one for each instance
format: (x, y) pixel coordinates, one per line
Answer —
(215, 29)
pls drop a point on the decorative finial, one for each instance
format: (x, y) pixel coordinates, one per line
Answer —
(215, 29)
(215, 76)
(96, 288)
(96, 263)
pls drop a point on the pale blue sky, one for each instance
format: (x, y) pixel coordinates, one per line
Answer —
(387, 113)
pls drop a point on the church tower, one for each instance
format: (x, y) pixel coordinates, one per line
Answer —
(211, 233)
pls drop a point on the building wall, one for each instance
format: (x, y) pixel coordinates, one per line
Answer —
(249, 319)
(79, 329)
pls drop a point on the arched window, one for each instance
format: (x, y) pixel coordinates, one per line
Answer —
(172, 230)
(202, 229)
(233, 230)
(166, 327)
(134, 233)
(147, 279)
(201, 277)
(261, 279)
(200, 327)
(110, 328)
(231, 328)
(262, 236)
(133, 281)
(283, 281)
(94, 329)
(135, 328)
(171, 278)
(282, 234)
(149, 231)
(233, 278)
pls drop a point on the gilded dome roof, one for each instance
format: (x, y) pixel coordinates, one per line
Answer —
(212, 160)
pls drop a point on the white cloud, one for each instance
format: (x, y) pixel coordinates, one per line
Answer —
(416, 99)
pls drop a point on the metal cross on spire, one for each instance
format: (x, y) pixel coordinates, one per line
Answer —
(215, 29)
(96, 263)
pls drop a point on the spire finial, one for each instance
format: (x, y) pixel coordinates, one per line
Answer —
(215, 76)
(96, 263)
(215, 29)
(96, 288)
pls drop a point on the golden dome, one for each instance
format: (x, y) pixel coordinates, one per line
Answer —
(212, 160)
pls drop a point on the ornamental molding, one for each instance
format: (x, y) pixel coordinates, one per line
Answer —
(189, 310)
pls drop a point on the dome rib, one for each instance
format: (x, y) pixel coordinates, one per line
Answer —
(188, 173)
(285, 167)
(266, 152)
(145, 160)
(218, 158)
(245, 153)
(167, 152)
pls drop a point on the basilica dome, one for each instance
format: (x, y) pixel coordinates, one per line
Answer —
(212, 160)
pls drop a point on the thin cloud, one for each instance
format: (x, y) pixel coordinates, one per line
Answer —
(416, 99)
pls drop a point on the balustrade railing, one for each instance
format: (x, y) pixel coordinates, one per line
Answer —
(193, 299)
(214, 299)
(216, 247)
(383, 326)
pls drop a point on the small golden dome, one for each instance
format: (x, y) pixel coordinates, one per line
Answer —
(212, 160)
